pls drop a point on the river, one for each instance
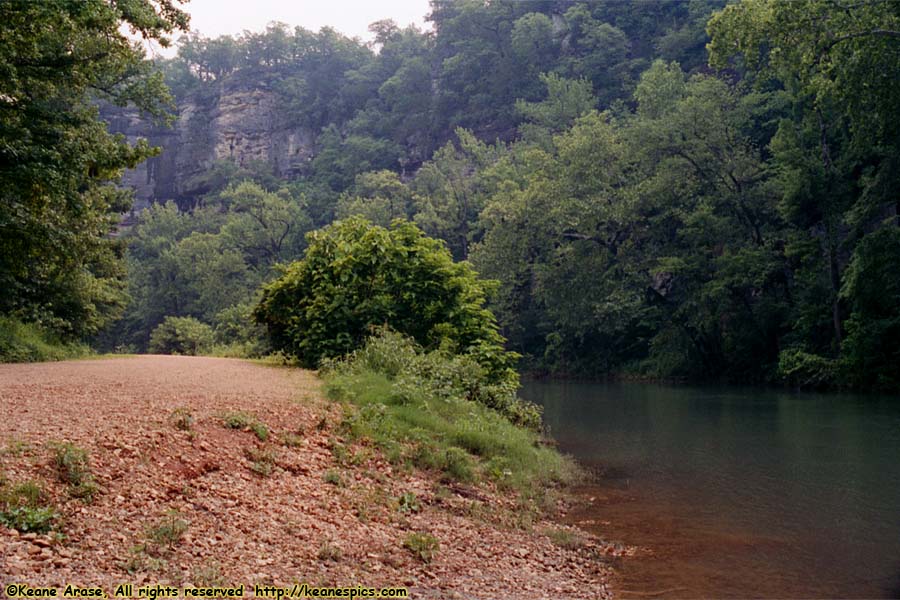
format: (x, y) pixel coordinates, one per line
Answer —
(736, 492)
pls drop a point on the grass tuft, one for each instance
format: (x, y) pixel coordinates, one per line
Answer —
(423, 546)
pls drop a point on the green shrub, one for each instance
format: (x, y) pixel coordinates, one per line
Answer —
(27, 342)
(355, 275)
(803, 369)
(181, 335)
(425, 413)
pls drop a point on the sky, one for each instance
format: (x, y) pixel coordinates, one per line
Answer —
(213, 18)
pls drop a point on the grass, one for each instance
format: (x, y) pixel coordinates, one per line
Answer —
(72, 465)
(246, 422)
(27, 342)
(423, 546)
(332, 477)
(328, 551)
(168, 530)
(23, 508)
(182, 419)
(565, 538)
(262, 461)
(462, 440)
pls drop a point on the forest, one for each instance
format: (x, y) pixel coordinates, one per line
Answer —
(695, 190)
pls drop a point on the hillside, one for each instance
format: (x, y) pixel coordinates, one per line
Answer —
(180, 498)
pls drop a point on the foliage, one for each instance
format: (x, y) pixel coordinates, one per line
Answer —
(23, 508)
(355, 275)
(418, 407)
(871, 350)
(181, 335)
(27, 342)
(423, 546)
(59, 267)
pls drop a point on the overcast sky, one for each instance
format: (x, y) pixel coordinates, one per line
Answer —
(213, 18)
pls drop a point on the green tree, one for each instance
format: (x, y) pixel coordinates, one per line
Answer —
(355, 276)
(58, 165)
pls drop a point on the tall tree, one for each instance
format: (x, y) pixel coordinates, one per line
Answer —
(58, 164)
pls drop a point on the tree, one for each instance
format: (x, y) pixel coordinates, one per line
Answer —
(355, 276)
(58, 165)
(837, 156)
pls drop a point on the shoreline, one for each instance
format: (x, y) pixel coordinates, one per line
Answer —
(215, 504)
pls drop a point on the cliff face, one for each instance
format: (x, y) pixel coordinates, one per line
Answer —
(234, 122)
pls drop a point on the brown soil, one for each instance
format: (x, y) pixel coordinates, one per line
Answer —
(243, 527)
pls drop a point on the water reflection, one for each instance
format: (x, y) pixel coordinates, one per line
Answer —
(739, 492)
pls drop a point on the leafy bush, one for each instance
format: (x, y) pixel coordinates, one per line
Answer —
(420, 407)
(355, 275)
(181, 335)
(803, 369)
(27, 342)
(871, 349)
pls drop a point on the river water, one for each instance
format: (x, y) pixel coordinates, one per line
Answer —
(735, 492)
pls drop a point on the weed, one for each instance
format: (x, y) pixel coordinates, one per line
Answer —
(292, 440)
(237, 420)
(459, 464)
(208, 575)
(332, 477)
(262, 459)
(423, 546)
(340, 452)
(28, 519)
(24, 494)
(17, 448)
(182, 419)
(261, 431)
(241, 420)
(72, 463)
(328, 551)
(139, 561)
(168, 530)
(565, 538)
(408, 502)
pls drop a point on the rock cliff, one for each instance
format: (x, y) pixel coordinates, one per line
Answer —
(233, 121)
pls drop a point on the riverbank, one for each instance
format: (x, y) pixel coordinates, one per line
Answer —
(204, 471)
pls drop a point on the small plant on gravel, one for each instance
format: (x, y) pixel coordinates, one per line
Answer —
(424, 546)
(16, 447)
(182, 419)
(27, 519)
(328, 551)
(140, 561)
(237, 420)
(292, 440)
(261, 431)
(22, 509)
(71, 463)
(408, 502)
(565, 538)
(168, 530)
(208, 574)
(332, 477)
(262, 461)
(241, 420)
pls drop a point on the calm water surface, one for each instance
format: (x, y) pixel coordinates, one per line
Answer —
(740, 493)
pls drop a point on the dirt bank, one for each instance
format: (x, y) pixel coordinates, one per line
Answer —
(210, 505)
